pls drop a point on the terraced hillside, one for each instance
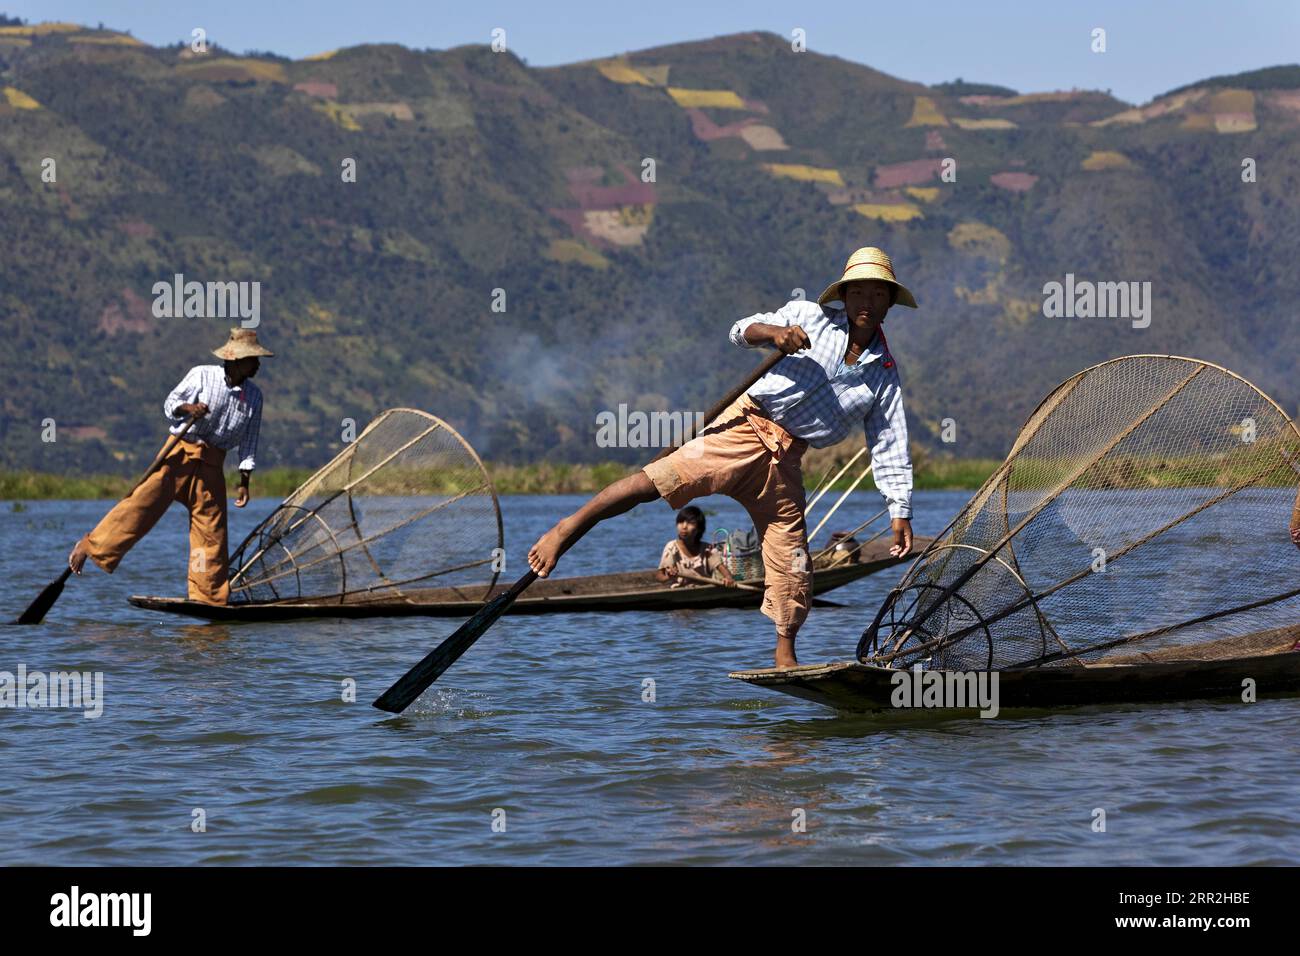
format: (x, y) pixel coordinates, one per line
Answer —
(475, 173)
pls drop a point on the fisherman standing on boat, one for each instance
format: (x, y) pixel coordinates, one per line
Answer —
(228, 410)
(837, 373)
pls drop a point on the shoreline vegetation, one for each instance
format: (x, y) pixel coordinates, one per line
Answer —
(544, 478)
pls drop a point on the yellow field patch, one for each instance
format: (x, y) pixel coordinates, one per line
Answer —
(1232, 101)
(700, 99)
(1127, 117)
(1198, 123)
(1234, 122)
(115, 40)
(327, 55)
(40, 29)
(925, 113)
(254, 69)
(887, 212)
(979, 239)
(398, 111)
(658, 75)
(923, 193)
(570, 250)
(1105, 159)
(20, 100)
(807, 174)
(338, 113)
(15, 41)
(322, 321)
(963, 123)
(1161, 107)
(622, 73)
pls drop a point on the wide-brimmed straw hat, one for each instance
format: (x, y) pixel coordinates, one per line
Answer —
(242, 344)
(868, 263)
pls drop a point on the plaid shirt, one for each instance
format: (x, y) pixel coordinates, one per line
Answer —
(815, 396)
(234, 414)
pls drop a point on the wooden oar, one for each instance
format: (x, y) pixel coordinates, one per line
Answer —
(415, 681)
(37, 610)
(701, 579)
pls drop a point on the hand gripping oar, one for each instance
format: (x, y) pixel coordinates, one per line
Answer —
(37, 610)
(414, 683)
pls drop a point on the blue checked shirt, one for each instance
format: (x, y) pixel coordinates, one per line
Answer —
(813, 395)
(234, 414)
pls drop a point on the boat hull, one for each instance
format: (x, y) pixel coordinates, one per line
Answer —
(625, 591)
(852, 686)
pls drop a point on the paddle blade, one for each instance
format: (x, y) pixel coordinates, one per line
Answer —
(417, 680)
(37, 610)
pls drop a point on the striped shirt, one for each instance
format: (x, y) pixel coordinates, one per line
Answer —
(234, 414)
(815, 396)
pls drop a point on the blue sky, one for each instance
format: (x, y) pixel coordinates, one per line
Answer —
(1152, 45)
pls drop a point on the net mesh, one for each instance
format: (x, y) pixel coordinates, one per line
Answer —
(407, 502)
(1147, 500)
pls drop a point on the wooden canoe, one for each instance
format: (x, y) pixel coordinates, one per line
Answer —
(1213, 669)
(620, 591)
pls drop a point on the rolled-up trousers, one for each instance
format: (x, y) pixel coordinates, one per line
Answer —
(191, 474)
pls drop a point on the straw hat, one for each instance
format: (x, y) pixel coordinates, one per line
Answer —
(242, 344)
(868, 263)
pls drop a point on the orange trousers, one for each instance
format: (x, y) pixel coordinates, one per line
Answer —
(191, 474)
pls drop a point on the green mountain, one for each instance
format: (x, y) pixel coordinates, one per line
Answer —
(476, 173)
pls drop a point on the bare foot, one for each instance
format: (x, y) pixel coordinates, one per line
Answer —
(80, 551)
(785, 652)
(545, 554)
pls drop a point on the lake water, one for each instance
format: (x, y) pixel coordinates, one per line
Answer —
(542, 724)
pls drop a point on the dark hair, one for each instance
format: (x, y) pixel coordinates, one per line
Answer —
(692, 513)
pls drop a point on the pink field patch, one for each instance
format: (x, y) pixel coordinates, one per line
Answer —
(83, 432)
(137, 229)
(1015, 182)
(131, 314)
(914, 172)
(327, 91)
(934, 140)
(1288, 100)
(590, 196)
(707, 130)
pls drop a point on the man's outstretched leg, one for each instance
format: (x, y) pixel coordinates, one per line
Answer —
(623, 495)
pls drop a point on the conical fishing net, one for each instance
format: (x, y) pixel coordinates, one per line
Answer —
(1147, 500)
(407, 502)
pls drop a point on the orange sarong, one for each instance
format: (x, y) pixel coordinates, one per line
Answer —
(191, 474)
(748, 457)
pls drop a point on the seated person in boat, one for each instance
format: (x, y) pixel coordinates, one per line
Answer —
(228, 414)
(837, 374)
(691, 553)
